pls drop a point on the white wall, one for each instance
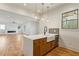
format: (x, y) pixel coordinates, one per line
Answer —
(69, 38)
(8, 18)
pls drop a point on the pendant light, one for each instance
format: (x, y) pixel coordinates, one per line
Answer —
(35, 10)
(47, 12)
(24, 4)
(41, 16)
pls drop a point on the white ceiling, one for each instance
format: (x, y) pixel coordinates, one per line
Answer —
(34, 7)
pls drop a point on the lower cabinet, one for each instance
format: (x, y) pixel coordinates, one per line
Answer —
(41, 46)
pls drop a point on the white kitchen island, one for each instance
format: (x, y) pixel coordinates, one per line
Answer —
(28, 42)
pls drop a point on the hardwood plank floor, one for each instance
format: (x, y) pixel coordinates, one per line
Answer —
(11, 45)
(59, 51)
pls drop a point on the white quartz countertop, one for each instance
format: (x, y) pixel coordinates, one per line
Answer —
(34, 37)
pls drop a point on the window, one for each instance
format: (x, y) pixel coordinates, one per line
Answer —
(2, 27)
(70, 19)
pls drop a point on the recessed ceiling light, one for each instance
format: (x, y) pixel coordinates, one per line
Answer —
(24, 4)
(47, 21)
(42, 18)
(8, 16)
(36, 17)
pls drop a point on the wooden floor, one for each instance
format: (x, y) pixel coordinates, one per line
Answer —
(59, 51)
(11, 45)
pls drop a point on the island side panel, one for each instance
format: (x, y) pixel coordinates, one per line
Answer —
(28, 47)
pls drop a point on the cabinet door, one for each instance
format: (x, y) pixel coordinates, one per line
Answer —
(56, 40)
(36, 48)
(39, 48)
(43, 46)
(42, 50)
(52, 44)
(48, 45)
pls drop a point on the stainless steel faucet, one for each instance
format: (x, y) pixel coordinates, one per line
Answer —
(45, 29)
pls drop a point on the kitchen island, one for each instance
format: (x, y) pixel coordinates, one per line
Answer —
(38, 45)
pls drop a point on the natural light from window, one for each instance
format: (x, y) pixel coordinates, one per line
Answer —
(2, 26)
